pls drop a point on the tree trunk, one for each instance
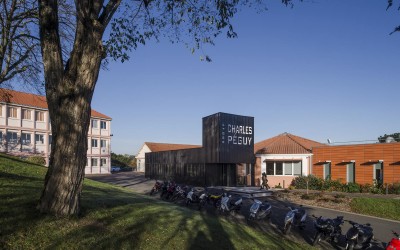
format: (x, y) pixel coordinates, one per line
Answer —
(69, 93)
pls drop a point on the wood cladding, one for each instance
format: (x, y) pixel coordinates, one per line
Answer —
(364, 157)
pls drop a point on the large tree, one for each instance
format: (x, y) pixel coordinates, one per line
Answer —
(70, 82)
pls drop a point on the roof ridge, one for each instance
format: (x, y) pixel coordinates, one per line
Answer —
(295, 141)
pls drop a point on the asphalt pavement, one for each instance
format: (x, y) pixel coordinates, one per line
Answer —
(382, 227)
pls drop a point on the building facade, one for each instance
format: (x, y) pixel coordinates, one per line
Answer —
(283, 158)
(361, 163)
(225, 158)
(25, 129)
(149, 147)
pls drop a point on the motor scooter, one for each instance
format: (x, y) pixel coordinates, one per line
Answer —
(394, 244)
(327, 229)
(359, 236)
(260, 210)
(295, 217)
(157, 187)
(229, 205)
(192, 197)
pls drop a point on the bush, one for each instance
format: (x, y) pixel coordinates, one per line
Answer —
(36, 159)
(308, 196)
(314, 183)
(332, 185)
(352, 188)
(394, 188)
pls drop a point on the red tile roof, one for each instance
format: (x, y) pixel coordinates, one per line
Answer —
(286, 144)
(31, 100)
(157, 147)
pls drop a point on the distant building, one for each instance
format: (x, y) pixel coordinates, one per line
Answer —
(149, 147)
(359, 163)
(283, 157)
(25, 129)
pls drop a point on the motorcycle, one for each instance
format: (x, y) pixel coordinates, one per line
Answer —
(327, 229)
(230, 205)
(215, 199)
(170, 190)
(359, 236)
(260, 210)
(394, 244)
(180, 193)
(295, 217)
(156, 188)
(192, 197)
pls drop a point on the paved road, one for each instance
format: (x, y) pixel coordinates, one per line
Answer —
(382, 228)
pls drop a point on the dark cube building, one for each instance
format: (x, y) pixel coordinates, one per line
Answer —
(226, 157)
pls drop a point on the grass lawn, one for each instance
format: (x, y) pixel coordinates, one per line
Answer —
(113, 218)
(379, 207)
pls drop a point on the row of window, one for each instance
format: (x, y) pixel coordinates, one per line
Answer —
(26, 114)
(284, 168)
(95, 124)
(351, 172)
(26, 139)
(12, 137)
(103, 143)
(95, 162)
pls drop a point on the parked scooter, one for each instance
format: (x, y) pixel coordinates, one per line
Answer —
(394, 244)
(229, 205)
(327, 229)
(192, 197)
(295, 217)
(180, 193)
(170, 190)
(359, 236)
(260, 210)
(156, 188)
(215, 199)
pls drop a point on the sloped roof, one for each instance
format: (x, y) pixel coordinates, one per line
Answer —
(31, 100)
(286, 144)
(157, 147)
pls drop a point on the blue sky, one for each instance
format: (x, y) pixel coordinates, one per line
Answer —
(323, 69)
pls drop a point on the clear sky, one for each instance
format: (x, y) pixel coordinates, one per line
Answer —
(323, 69)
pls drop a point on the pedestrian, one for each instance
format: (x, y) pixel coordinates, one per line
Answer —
(264, 180)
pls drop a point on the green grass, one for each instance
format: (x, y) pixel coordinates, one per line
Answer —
(379, 207)
(113, 218)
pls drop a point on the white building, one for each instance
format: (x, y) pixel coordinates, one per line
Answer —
(25, 129)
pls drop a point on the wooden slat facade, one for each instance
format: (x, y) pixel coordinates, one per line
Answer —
(214, 164)
(364, 157)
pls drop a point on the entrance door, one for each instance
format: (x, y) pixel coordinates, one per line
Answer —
(351, 173)
(378, 172)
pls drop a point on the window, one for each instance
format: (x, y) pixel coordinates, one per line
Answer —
(103, 162)
(1, 110)
(278, 168)
(103, 125)
(26, 114)
(288, 168)
(12, 137)
(39, 139)
(327, 171)
(94, 162)
(39, 116)
(94, 143)
(297, 168)
(103, 143)
(378, 172)
(270, 168)
(12, 112)
(25, 139)
(351, 173)
(95, 123)
(1, 137)
(50, 139)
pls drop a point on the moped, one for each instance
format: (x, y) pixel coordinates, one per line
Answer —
(295, 217)
(359, 236)
(327, 229)
(394, 244)
(229, 205)
(260, 210)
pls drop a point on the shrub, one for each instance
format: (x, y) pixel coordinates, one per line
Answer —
(339, 196)
(314, 183)
(36, 159)
(352, 187)
(366, 188)
(332, 185)
(394, 188)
